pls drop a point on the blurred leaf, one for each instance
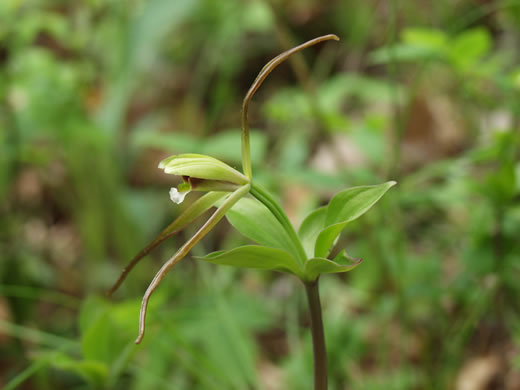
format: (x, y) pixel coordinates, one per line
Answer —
(174, 143)
(32, 24)
(463, 50)
(355, 23)
(406, 377)
(469, 47)
(96, 341)
(369, 136)
(255, 256)
(336, 89)
(499, 155)
(91, 310)
(501, 184)
(402, 52)
(225, 145)
(36, 336)
(15, 382)
(258, 16)
(287, 105)
(153, 21)
(43, 93)
(434, 39)
(105, 330)
(92, 371)
(515, 78)
(294, 151)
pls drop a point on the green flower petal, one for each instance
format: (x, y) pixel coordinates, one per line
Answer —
(202, 167)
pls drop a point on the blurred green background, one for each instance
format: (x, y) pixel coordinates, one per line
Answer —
(94, 93)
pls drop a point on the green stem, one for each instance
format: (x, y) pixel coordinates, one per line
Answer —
(268, 68)
(273, 206)
(318, 336)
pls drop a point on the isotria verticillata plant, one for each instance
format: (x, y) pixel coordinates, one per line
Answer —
(253, 211)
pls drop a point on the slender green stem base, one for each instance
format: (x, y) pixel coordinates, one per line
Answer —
(318, 336)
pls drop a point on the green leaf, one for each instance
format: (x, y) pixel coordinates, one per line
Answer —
(310, 228)
(368, 89)
(201, 167)
(318, 265)
(402, 52)
(345, 207)
(425, 37)
(102, 337)
(255, 221)
(92, 308)
(255, 256)
(96, 340)
(469, 47)
(327, 238)
(417, 44)
(93, 371)
(354, 202)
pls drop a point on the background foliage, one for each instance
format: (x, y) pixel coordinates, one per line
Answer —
(94, 93)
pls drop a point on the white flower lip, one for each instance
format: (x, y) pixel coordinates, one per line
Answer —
(177, 196)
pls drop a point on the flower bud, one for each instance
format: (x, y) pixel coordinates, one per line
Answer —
(201, 173)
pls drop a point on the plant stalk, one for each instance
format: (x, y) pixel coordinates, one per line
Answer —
(318, 336)
(268, 68)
